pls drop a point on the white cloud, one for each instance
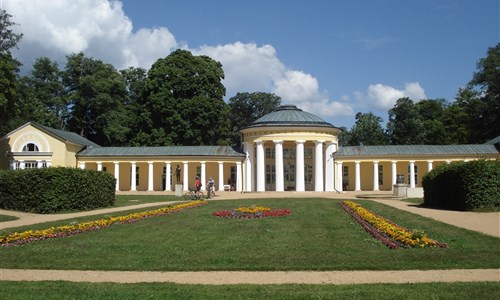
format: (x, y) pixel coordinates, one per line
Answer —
(101, 30)
(382, 96)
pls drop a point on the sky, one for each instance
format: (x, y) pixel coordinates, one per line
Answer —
(332, 58)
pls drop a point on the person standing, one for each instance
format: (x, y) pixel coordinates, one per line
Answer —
(197, 186)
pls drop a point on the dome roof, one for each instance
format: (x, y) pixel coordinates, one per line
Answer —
(290, 115)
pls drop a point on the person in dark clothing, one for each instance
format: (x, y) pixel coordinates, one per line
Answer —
(178, 174)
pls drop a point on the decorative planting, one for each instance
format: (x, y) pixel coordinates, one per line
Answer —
(252, 212)
(19, 238)
(392, 235)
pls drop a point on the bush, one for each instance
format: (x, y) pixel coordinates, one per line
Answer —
(56, 189)
(463, 186)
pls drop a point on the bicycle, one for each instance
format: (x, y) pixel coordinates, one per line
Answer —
(191, 195)
(210, 193)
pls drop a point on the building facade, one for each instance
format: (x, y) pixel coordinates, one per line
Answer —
(286, 150)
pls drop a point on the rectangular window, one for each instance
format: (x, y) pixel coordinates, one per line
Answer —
(270, 153)
(308, 152)
(30, 165)
(380, 175)
(308, 173)
(198, 171)
(345, 177)
(270, 174)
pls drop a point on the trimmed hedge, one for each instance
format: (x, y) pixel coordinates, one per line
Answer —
(57, 189)
(463, 185)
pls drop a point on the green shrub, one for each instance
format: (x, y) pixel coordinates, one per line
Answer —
(463, 186)
(56, 189)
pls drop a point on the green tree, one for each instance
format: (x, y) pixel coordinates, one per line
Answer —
(96, 96)
(245, 108)
(43, 95)
(9, 70)
(405, 126)
(486, 80)
(344, 137)
(431, 113)
(184, 98)
(367, 131)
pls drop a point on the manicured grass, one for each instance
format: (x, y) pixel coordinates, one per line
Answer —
(70, 290)
(318, 235)
(5, 218)
(126, 200)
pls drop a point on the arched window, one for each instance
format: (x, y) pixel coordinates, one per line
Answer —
(30, 148)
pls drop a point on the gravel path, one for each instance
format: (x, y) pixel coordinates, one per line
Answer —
(487, 223)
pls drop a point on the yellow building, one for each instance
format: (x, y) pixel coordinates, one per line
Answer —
(288, 149)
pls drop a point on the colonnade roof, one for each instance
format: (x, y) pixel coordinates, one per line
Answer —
(226, 151)
(413, 150)
(290, 115)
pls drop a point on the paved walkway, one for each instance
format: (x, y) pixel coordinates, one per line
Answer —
(487, 223)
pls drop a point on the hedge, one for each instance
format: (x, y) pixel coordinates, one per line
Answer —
(56, 189)
(463, 186)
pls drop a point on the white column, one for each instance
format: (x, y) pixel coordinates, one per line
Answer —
(22, 166)
(429, 165)
(340, 177)
(133, 182)
(49, 163)
(99, 166)
(331, 147)
(357, 176)
(185, 176)
(82, 165)
(318, 166)
(168, 174)
(279, 166)
(150, 176)
(412, 173)
(249, 167)
(375, 176)
(394, 171)
(299, 168)
(117, 175)
(261, 176)
(203, 175)
(239, 182)
(221, 176)
(39, 164)
(12, 164)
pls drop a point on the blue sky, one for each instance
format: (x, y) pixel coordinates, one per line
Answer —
(331, 58)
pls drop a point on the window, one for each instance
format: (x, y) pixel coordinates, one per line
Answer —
(270, 174)
(345, 177)
(30, 148)
(198, 171)
(289, 153)
(380, 175)
(30, 165)
(308, 173)
(270, 153)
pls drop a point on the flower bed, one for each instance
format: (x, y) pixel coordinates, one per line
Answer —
(18, 238)
(392, 235)
(252, 212)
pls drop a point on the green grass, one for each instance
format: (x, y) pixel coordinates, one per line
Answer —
(126, 200)
(417, 201)
(56, 290)
(319, 235)
(5, 218)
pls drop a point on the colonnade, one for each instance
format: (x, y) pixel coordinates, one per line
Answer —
(168, 174)
(323, 165)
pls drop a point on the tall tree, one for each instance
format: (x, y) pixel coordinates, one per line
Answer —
(486, 80)
(184, 97)
(96, 93)
(9, 69)
(431, 112)
(248, 107)
(44, 94)
(367, 130)
(405, 126)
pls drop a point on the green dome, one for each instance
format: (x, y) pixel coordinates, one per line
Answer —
(290, 115)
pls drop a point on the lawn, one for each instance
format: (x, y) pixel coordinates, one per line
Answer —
(70, 290)
(5, 218)
(126, 200)
(318, 235)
